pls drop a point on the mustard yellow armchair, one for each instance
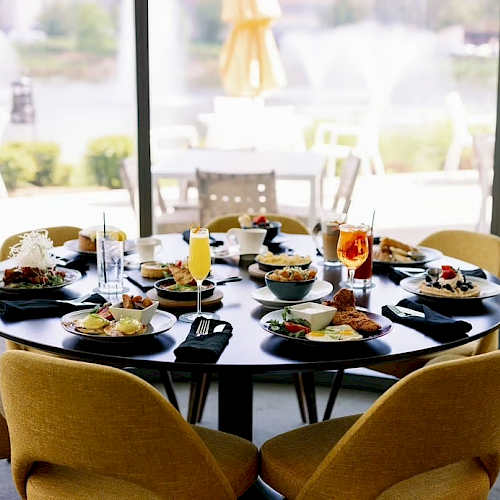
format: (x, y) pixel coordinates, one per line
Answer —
(289, 224)
(434, 434)
(482, 250)
(58, 234)
(86, 431)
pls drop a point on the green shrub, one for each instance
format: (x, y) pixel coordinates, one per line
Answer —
(46, 156)
(104, 156)
(17, 166)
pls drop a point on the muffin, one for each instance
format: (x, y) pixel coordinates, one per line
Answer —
(87, 237)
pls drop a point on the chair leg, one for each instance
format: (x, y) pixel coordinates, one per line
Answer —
(166, 378)
(306, 394)
(337, 382)
(200, 384)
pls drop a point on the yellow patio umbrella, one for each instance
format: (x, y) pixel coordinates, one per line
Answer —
(250, 62)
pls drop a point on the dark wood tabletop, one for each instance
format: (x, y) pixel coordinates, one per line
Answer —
(251, 349)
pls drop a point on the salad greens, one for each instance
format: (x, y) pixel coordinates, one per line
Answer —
(280, 326)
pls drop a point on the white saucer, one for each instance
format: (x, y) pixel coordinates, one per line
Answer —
(267, 299)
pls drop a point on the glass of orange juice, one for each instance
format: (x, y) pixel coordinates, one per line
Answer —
(352, 248)
(199, 262)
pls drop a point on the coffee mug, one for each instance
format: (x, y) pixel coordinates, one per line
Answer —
(249, 240)
(148, 248)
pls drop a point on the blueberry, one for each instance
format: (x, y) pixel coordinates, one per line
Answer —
(448, 287)
(459, 284)
(464, 288)
(428, 279)
(436, 285)
(469, 285)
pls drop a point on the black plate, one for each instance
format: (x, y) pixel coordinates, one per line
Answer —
(385, 324)
(72, 275)
(162, 291)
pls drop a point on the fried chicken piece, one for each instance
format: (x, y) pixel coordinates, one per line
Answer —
(355, 319)
(344, 299)
(347, 314)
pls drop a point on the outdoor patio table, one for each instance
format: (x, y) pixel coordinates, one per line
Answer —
(290, 166)
(251, 350)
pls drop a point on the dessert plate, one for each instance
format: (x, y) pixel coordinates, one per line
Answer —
(161, 322)
(72, 245)
(268, 300)
(385, 328)
(429, 254)
(72, 275)
(487, 289)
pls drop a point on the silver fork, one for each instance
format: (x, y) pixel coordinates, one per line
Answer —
(78, 301)
(203, 327)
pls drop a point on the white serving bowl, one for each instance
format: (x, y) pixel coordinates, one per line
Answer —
(143, 315)
(318, 315)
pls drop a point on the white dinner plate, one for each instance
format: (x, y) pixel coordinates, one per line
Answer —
(225, 252)
(267, 299)
(428, 255)
(161, 322)
(73, 245)
(487, 288)
(385, 327)
(72, 275)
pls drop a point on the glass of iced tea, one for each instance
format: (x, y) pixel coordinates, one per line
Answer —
(352, 248)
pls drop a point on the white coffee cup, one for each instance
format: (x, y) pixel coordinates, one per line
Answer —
(148, 248)
(249, 240)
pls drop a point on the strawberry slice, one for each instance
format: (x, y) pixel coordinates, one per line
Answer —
(448, 273)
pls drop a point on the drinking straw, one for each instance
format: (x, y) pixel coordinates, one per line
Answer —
(373, 220)
(103, 248)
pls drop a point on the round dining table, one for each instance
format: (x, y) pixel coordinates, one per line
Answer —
(251, 349)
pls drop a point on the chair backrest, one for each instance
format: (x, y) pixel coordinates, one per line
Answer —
(348, 176)
(482, 250)
(102, 420)
(439, 415)
(484, 149)
(221, 193)
(58, 235)
(289, 224)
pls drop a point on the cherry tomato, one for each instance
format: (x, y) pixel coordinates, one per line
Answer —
(295, 327)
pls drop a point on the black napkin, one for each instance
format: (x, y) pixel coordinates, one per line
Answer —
(79, 263)
(18, 310)
(435, 325)
(213, 241)
(206, 348)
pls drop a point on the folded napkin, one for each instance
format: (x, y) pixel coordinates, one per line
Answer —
(18, 310)
(206, 348)
(213, 241)
(435, 325)
(79, 263)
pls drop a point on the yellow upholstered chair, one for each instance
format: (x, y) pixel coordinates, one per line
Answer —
(482, 250)
(289, 224)
(434, 434)
(58, 234)
(86, 431)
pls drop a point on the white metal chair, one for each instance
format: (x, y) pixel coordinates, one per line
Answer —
(221, 193)
(484, 149)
